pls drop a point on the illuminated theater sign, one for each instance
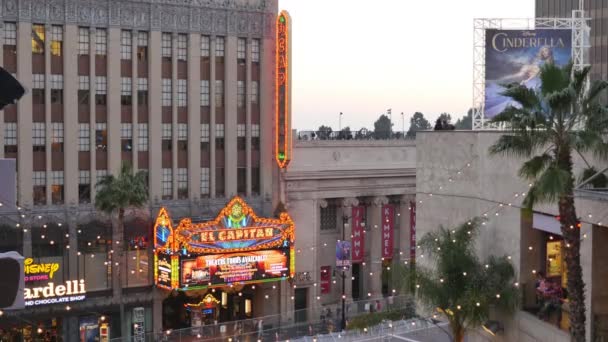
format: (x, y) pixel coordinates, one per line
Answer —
(283, 90)
(236, 248)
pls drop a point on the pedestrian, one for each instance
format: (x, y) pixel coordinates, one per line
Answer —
(260, 328)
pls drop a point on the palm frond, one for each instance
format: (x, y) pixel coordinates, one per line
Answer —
(549, 186)
(533, 167)
(526, 97)
(521, 144)
(553, 78)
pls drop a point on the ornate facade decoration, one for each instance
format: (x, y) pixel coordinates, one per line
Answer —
(223, 17)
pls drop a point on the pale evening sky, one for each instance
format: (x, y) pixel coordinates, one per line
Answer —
(361, 57)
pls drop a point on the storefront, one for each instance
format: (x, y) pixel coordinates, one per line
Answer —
(211, 268)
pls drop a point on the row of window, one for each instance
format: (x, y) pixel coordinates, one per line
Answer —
(126, 46)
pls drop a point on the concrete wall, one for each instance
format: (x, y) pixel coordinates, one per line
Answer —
(457, 179)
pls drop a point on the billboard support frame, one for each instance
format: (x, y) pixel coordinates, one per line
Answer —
(578, 23)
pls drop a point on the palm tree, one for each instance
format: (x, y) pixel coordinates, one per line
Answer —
(114, 196)
(550, 124)
(458, 285)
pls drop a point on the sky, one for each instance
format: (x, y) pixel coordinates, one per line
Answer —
(364, 57)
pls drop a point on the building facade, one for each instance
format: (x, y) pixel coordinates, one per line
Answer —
(182, 90)
(597, 11)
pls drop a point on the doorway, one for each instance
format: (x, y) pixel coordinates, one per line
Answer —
(301, 304)
(355, 282)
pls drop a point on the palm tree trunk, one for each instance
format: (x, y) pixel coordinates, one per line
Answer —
(572, 257)
(457, 332)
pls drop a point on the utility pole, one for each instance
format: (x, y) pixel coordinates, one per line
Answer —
(403, 125)
(340, 122)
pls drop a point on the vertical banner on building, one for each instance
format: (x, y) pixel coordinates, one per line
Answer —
(325, 279)
(388, 212)
(412, 231)
(283, 90)
(358, 239)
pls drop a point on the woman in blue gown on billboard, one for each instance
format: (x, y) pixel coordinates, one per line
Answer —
(528, 73)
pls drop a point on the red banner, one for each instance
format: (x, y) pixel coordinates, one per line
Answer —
(412, 231)
(358, 239)
(325, 279)
(388, 212)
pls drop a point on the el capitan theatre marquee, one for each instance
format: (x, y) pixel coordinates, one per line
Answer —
(238, 247)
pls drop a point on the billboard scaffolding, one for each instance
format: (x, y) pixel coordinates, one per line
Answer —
(578, 24)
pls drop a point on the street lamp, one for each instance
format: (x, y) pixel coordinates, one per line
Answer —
(403, 125)
(340, 122)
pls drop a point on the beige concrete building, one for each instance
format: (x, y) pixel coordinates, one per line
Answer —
(183, 90)
(465, 181)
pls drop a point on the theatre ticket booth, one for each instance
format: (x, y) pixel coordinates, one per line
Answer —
(212, 268)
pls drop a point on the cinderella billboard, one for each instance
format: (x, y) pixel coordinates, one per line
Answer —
(516, 56)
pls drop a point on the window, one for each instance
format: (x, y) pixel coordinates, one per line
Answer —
(126, 136)
(182, 93)
(205, 181)
(57, 187)
(100, 90)
(219, 46)
(142, 91)
(204, 46)
(100, 174)
(167, 184)
(166, 96)
(101, 42)
(10, 133)
(101, 136)
(142, 137)
(255, 50)
(10, 137)
(84, 186)
(241, 180)
(204, 93)
(38, 89)
(240, 94)
(166, 45)
(142, 46)
(83, 90)
(57, 137)
(56, 40)
(241, 49)
(219, 136)
(57, 89)
(182, 131)
(204, 136)
(182, 183)
(38, 35)
(255, 90)
(166, 136)
(329, 217)
(10, 34)
(84, 137)
(83, 40)
(255, 180)
(126, 44)
(219, 93)
(166, 131)
(39, 136)
(182, 47)
(39, 180)
(255, 137)
(241, 132)
(125, 91)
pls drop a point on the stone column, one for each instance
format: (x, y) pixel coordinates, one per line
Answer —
(194, 115)
(47, 112)
(154, 115)
(134, 99)
(113, 94)
(174, 63)
(92, 114)
(374, 270)
(2, 111)
(70, 117)
(24, 110)
(230, 119)
(248, 116)
(212, 109)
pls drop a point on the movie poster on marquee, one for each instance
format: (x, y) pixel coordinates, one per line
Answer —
(516, 56)
(235, 267)
(388, 212)
(358, 239)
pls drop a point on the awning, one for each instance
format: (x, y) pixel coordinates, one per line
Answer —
(546, 223)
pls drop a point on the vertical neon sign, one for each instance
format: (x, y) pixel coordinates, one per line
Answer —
(283, 90)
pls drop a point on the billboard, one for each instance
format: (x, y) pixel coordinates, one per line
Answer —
(236, 247)
(42, 288)
(234, 268)
(343, 254)
(516, 56)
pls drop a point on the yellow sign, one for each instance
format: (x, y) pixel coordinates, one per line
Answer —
(39, 271)
(554, 259)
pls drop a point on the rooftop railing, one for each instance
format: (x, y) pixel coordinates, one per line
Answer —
(362, 134)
